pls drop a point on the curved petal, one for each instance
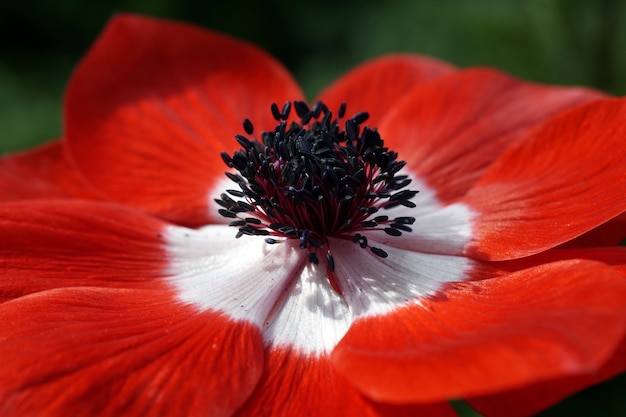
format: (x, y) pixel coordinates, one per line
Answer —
(564, 179)
(486, 336)
(377, 85)
(49, 244)
(61, 243)
(528, 401)
(610, 255)
(152, 105)
(111, 352)
(41, 173)
(610, 233)
(302, 385)
(451, 129)
(93, 320)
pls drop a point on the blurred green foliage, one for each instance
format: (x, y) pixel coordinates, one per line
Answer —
(551, 41)
(578, 42)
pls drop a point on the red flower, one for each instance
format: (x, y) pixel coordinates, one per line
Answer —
(110, 311)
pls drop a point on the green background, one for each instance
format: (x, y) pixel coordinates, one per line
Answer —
(552, 41)
(574, 42)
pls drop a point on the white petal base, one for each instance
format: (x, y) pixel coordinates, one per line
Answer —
(293, 301)
(240, 277)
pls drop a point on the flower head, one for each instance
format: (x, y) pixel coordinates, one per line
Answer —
(390, 259)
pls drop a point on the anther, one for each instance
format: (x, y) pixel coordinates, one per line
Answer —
(360, 117)
(248, 127)
(301, 108)
(342, 110)
(379, 252)
(275, 112)
(284, 113)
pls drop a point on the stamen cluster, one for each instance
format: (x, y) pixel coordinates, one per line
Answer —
(311, 180)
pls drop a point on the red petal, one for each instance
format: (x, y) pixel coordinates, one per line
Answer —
(113, 352)
(566, 178)
(62, 243)
(530, 400)
(41, 173)
(450, 130)
(377, 85)
(303, 385)
(611, 255)
(153, 104)
(486, 336)
(610, 233)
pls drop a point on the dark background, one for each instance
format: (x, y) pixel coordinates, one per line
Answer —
(575, 42)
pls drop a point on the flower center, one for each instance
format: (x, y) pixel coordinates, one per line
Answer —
(311, 180)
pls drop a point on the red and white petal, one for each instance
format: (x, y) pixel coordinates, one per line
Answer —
(138, 338)
(451, 129)
(147, 126)
(487, 336)
(564, 179)
(294, 384)
(528, 401)
(41, 173)
(242, 278)
(377, 85)
(63, 243)
(111, 352)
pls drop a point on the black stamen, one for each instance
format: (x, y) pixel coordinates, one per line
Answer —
(284, 114)
(301, 108)
(404, 220)
(248, 127)
(235, 193)
(352, 130)
(342, 110)
(360, 117)
(227, 159)
(379, 252)
(368, 223)
(228, 214)
(317, 109)
(401, 227)
(312, 180)
(330, 261)
(313, 258)
(392, 232)
(275, 112)
(243, 141)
